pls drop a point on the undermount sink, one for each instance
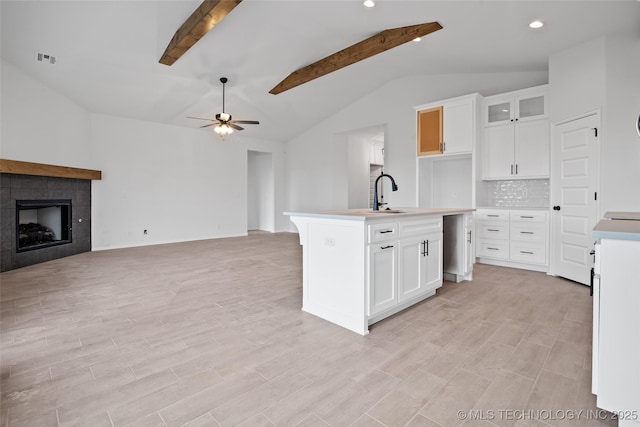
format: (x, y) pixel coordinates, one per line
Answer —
(390, 211)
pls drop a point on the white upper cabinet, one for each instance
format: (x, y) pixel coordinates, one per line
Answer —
(517, 151)
(517, 106)
(517, 137)
(447, 126)
(458, 127)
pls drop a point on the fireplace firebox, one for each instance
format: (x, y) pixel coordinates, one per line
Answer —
(42, 223)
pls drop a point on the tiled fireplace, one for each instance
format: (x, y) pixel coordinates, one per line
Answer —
(42, 218)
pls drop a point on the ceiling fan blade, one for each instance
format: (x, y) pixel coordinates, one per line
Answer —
(246, 122)
(236, 127)
(206, 126)
(199, 118)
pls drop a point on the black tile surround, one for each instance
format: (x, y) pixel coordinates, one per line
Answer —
(28, 187)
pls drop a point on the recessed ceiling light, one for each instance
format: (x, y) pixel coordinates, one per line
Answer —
(369, 3)
(536, 24)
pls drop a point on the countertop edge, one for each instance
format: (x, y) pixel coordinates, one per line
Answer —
(358, 215)
(617, 229)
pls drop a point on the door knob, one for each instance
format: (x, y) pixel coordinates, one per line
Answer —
(556, 208)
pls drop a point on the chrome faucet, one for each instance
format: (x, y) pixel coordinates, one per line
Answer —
(394, 187)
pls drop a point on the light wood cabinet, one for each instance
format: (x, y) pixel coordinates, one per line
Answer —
(430, 131)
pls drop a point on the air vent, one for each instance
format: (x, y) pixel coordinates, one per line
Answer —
(43, 57)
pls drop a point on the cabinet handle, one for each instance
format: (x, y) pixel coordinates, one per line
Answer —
(491, 229)
(493, 215)
(526, 217)
(494, 249)
(516, 167)
(526, 252)
(386, 231)
(469, 237)
(427, 248)
(386, 247)
(424, 248)
(511, 169)
(526, 232)
(444, 147)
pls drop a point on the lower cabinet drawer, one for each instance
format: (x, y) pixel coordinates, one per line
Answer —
(528, 252)
(420, 227)
(383, 231)
(493, 230)
(523, 232)
(493, 249)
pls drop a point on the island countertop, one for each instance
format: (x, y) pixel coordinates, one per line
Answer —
(369, 214)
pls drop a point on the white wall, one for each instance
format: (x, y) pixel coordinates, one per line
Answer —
(260, 191)
(178, 183)
(577, 81)
(40, 125)
(317, 168)
(621, 156)
(604, 74)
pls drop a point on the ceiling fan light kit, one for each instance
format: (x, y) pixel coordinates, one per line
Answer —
(224, 125)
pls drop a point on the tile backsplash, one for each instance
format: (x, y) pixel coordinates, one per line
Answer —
(524, 193)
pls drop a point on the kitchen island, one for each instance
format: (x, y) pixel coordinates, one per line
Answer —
(361, 266)
(616, 318)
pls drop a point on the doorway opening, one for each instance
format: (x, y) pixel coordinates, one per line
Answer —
(260, 191)
(365, 163)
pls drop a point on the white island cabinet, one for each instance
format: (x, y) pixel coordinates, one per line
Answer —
(616, 316)
(361, 266)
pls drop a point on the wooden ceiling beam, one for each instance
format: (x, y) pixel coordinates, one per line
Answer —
(203, 19)
(374, 45)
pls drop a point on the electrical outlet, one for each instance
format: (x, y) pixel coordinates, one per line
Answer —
(329, 241)
(145, 232)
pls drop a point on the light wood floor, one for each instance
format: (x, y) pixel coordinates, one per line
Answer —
(211, 333)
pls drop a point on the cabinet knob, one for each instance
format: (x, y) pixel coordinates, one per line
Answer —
(556, 208)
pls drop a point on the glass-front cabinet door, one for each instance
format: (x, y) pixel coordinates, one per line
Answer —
(522, 105)
(531, 106)
(499, 111)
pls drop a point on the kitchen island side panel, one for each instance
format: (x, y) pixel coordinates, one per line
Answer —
(334, 271)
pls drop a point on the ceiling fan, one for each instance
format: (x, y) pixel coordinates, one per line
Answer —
(224, 125)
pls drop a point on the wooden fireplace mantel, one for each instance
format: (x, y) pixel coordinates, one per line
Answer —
(41, 169)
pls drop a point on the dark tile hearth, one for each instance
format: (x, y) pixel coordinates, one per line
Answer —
(28, 187)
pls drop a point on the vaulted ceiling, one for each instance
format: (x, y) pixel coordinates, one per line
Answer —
(107, 52)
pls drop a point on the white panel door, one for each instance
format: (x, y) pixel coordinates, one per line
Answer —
(574, 186)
